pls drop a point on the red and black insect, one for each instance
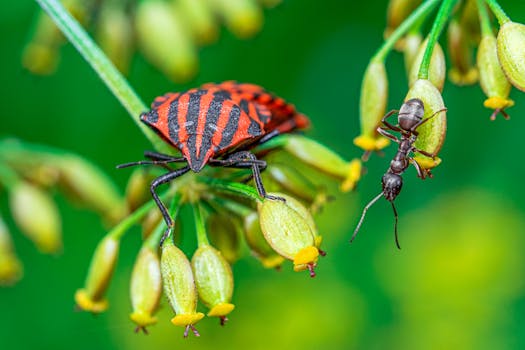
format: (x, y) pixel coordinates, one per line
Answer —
(216, 124)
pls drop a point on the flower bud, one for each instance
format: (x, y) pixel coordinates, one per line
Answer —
(436, 70)
(242, 17)
(411, 49)
(257, 243)
(511, 52)
(89, 186)
(199, 19)
(288, 232)
(179, 287)
(492, 78)
(372, 107)
(37, 216)
(270, 3)
(91, 297)
(138, 188)
(323, 159)
(10, 266)
(398, 11)
(214, 280)
(164, 40)
(463, 72)
(224, 232)
(115, 34)
(431, 133)
(146, 288)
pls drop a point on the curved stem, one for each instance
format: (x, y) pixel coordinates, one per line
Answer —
(231, 187)
(416, 17)
(102, 65)
(484, 19)
(439, 23)
(498, 11)
(200, 226)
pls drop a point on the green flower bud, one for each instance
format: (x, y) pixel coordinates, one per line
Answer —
(270, 3)
(164, 40)
(115, 34)
(492, 78)
(37, 216)
(10, 266)
(199, 19)
(89, 186)
(214, 280)
(146, 288)
(257, 243)
(436, 70)
(91, 297)
(324, 159)
(224, 232)
(372, 107)
(411, 49)
(242, 17)
(138, 188)
(179, 287)
(288, 232)
(463, 71)
(431, 133)
(398, 11)
(511, 52)
(469, 20)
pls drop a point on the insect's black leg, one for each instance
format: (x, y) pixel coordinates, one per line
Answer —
(387, 134)
(156, 183)
(387, 124)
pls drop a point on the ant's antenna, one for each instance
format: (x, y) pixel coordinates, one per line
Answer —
(364, 213)
(395, 226)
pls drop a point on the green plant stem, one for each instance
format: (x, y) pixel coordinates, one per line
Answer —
(102, 65)
(153, 241)
(498, 11)
(484, 19)
(231, 187)
(439, 23)
(417, 16)
(234, 207)
(8, 177)
(122, 227)
(200, 226)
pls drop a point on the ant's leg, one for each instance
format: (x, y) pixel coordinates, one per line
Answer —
(388, 125)
(387, 134)
(425, 153)
(156, 183)
(421, 172)
(423, 121)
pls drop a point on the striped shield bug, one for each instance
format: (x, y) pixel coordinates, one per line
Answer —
(218, 125)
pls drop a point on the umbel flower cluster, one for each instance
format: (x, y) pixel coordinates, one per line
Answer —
(29, 173)
(167, 32)
(226, 213)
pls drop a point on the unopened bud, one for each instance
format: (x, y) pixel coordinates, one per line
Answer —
(372, 107)
(411, 49)
(511, 52)
(225, 233)
(10, 266)
(492, 78)
(37, 216)
(199, 19)
(165, 41)
(242, 17)
(463, 71)
(398, 11)
(179, 287)
(91, 297)
(436, 69)
(288, 232)
(431, 133)
(257, 243)
(214, 280)
(146, 288)
(138, 188)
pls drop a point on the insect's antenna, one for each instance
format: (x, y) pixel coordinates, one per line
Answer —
(147, 162)
(376, 198)
(395, 226)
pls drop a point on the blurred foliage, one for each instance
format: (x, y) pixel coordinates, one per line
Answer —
(367, 295)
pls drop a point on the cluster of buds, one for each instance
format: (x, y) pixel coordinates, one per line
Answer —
(168, 33)
(28, 173)
(499, 65)
(226, 213)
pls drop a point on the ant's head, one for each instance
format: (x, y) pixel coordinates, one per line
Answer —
(392, 184)
(411, 113)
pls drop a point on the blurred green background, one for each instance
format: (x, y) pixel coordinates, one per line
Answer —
(458, 282)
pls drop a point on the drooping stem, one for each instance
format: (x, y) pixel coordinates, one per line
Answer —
(231, 187)
(439, 23)
(102, 65)
(200, 226)
(484, 20)
(498, 11)
(8, 177)
(416, 17)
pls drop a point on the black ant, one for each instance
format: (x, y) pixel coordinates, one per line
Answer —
(409, 117)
